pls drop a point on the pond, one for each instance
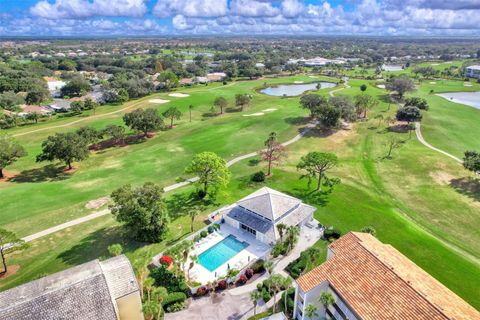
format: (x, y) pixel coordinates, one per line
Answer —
(471, 99)
(291, 90)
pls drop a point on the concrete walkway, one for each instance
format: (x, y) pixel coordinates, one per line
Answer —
(425, 143)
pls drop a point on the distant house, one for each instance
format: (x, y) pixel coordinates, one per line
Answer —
(259, 65)
(201, 79)
(59, 105)
(216, 76)
(473, 72)
(372, 280)
(101, 290)
(260, 212)
(26, 109)
(186, 81)
(54, 86)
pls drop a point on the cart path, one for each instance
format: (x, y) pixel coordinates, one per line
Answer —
(428, 145)
(104, 212)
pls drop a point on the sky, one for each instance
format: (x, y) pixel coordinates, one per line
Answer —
(239, 17)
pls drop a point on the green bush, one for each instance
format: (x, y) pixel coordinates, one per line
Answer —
(258, 176)
(174, 297)
(266, 296)
(278, 249)
(258, 266)
(175, 307)
(290, 300)
(332, 233)
(203, 234)
(164, 278)
(210, 229)
(260, 316)
(197, 238)
(296, 267)
(216, 226)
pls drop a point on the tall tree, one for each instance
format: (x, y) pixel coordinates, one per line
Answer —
(312, 102)
(292, 236)
(10, 151)
(471, 161)
(392, 143)
(274, 151)
(116, 133)
(281, 227)
(193, 213)
(211, 170)
(242, 100)
(364, 102)
(143, 121)
(346, 107)
(221, 102)
(90, 134)
(401, 85)
(169, 79)
(190, 108)
(66, 147)
(275, 282)
(9, 242)
(172, 113)
(328, 116)
(142, 211)
(316, 164)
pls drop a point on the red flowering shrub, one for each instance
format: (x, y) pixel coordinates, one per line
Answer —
(201, 291)
(222, 285)
(166, 260)
(242, 280)
(249, 273)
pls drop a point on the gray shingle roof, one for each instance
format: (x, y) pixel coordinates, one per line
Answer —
(84, 292)
(249, 219)
(269, 203)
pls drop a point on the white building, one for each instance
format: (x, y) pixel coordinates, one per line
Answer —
(473, 72)
(260, 212)
(371, 280)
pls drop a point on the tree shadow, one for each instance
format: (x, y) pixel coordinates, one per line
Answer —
(180, 203)
(106, 144)
(398, 128)
(233, 109)
(47, 173)
(254, 162)
(297, 121)
(467, 186)
(95, 245)
(210, 114)
(312, 196)
(317, 132)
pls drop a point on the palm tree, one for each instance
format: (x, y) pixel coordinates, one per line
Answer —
(159, 294)
(311, 311)
(287, 284)
(327, 299)
(193, 260)
(281, 228)
(185, 253)
(292, 236)
(141, 272)
(276, 282)
(254, 297)
(150, 308)
(193, 214)
(190, 108)
(148, 285)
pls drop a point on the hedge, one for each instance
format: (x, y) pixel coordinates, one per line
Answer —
(174, 297)
(258, 266)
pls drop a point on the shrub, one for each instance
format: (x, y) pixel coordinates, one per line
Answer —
(201, 194)
(249, 273)
(175, 307)
(259, 286)
(290, 299)
(331, 233)
(242, 280)
(258, 176)
(197, 238)
(210, 229)
(174, 297)
(266, 296)
(216, 226)
(203, 234)
(258, 266)
(166, 260)
(278, 249)
(201, 292)
(369, 229)
(222, 285)
(164, 278)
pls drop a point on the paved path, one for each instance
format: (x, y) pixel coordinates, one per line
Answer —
(101, 213)
(428, 145)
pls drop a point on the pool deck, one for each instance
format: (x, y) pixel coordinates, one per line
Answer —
(255, 250)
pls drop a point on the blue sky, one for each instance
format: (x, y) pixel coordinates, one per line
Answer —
(247, 17)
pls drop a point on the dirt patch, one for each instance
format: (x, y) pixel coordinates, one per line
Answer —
(11, 271)
(179, 95)
(297, 82)
(160, 101)
(7, 175)
(269, 110)
(97, 203)
(254, 114)
(441, 177)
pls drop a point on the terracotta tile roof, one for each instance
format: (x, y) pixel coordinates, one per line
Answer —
(378, 282)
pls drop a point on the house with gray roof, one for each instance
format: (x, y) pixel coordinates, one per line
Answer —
(96, 290)
(260, 212)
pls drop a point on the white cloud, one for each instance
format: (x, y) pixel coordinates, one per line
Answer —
(74, 9)
(253, 8)
(190, 8)
(292, 8)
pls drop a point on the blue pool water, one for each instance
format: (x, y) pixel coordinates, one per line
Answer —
(215, 256)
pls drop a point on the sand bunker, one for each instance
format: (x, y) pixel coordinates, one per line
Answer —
(467, 84)
(254, 114)
(158, 101)
(381, 86)
(97, 203)
(297, 82)
(269, 110)
(313, 76)
(433, 82)
(179, 95)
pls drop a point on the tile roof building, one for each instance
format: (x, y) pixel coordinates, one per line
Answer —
(372, 280)
(260, 212)
(96, 290)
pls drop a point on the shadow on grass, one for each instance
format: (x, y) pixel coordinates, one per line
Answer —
(312, 196)
(95, 245)
(297, 121)
(467, 186)
(45, 174)
(233, 110)
(179, 204)
(399, 128)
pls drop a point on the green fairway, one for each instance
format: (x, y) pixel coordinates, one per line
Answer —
(409, 200)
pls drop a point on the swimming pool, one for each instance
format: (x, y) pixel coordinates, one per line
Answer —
(215, 256)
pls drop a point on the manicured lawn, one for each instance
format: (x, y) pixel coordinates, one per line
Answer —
(409, 200)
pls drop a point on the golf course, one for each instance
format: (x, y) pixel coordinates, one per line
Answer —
(420, 201)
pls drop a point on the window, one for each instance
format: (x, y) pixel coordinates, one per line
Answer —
(247, 228)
